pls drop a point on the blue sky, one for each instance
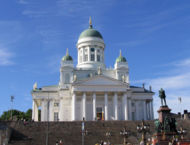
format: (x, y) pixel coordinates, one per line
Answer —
(153, 36)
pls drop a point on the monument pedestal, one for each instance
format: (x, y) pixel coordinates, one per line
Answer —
(163, 112)
(165, 132)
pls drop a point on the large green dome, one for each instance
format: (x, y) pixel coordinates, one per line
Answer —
(90, 32)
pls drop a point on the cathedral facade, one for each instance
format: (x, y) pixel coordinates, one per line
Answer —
(90, 91)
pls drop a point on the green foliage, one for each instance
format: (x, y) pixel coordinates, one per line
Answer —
(16, 115)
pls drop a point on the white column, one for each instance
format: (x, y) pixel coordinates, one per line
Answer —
(94, 106)
(51, 111)
(152, 110)
(73, 107)
(106, 105)
(84, 106)
(144, 107)
(115, 107)
(79, 53)
(95, 53)
(149, 110)
(61, 109)
(125, 106)
(83, 50)
(61, 77)
(136, 110)
(34, 111)
(89, 54)
(44, 110)
(129, 109)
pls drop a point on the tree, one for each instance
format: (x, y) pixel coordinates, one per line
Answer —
(17, 115)
(28, 114)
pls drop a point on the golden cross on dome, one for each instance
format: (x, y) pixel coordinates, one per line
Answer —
(120, 53)
(90, 22)
(67, 52)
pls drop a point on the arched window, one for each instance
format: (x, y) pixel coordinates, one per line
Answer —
(67, 78)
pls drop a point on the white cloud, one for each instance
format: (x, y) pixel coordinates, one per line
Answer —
(70, 8)
(176, 84)
(5, 57)
(23, 2)
(173, 82)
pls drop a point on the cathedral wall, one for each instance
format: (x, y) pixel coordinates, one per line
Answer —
(65, 110)
(110, 73)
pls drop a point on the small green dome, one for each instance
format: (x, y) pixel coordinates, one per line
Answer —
(121, 58)
(90, 33)
(67, 57)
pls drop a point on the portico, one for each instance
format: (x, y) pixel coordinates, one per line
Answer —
(105, 101)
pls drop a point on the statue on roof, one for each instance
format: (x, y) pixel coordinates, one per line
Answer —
(35, 86)
(162, 96)
(124, 78)
(99, 71)
(74, 78)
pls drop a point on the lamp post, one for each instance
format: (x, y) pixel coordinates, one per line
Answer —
(143, 128)
(125, 134)
(12, 98)
(108, 135)
(47, 133)
(182, 132)
(84, 132)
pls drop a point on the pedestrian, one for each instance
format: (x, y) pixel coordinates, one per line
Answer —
(102, 143)
(142, 143)
(60, 142)
(57, 143)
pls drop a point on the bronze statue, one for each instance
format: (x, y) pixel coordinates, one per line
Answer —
(162, 96)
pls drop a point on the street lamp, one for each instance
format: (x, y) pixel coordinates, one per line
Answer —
(182, 132)
(12, 98)
(143, 128)
(108, 135)
(47, 131)
(84, 132)
(125, 134)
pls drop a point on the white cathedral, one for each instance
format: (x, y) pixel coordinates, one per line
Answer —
(90, 91)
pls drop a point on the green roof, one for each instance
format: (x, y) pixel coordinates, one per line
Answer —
(121, 58)
(90, 32)
(67, 57)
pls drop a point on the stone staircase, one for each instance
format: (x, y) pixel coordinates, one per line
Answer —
(35, 133)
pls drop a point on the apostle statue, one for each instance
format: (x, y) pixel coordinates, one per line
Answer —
(99, 71)
(35, 86)
(74, 78)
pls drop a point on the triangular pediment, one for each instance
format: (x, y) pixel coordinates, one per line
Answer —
(100, 81)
